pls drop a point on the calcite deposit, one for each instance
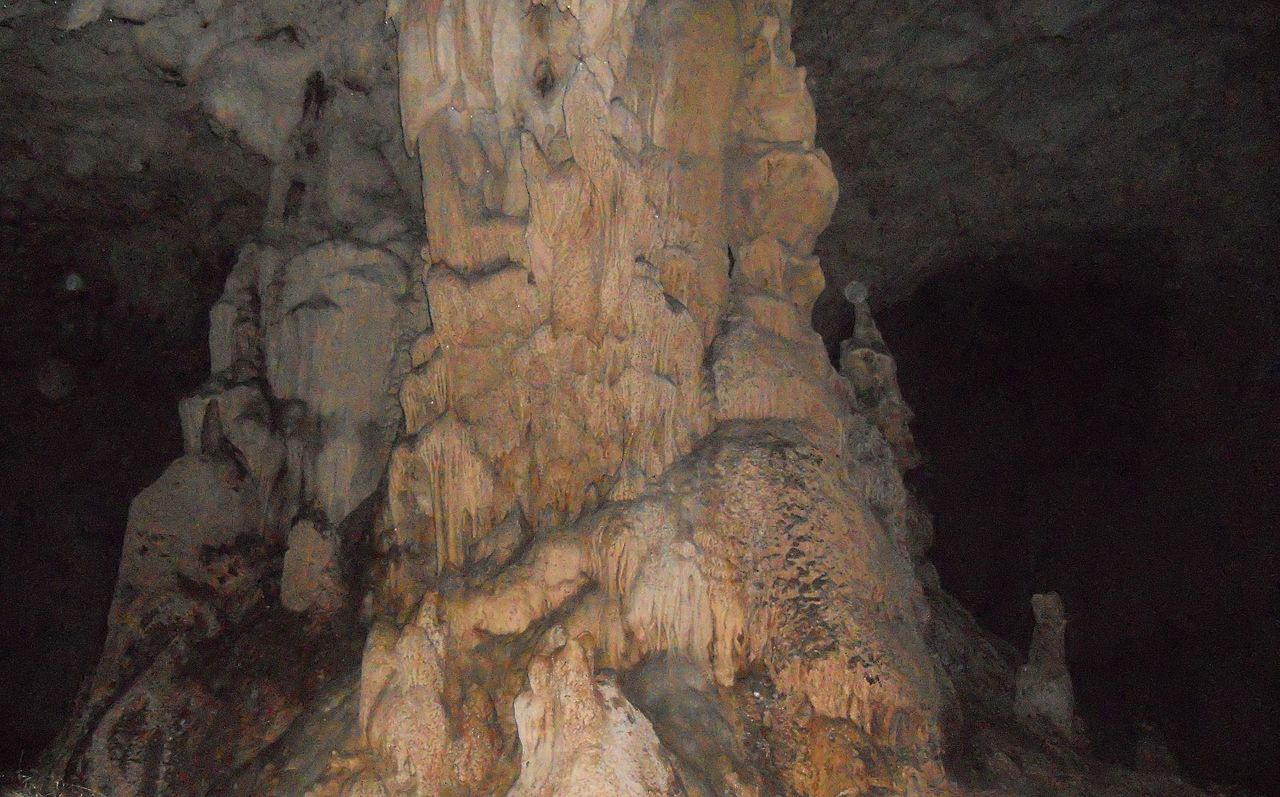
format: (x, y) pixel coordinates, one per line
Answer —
(551, 489)
(588, 399)
(1044, 691)
(598, 380)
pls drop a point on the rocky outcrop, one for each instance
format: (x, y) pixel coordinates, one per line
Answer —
(616, 415)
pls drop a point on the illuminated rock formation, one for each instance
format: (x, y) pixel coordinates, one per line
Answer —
(620, 202)
(575, 469)
(614, 416)
(580, 736)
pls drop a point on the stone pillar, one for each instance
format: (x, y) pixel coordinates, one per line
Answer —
(621, 417)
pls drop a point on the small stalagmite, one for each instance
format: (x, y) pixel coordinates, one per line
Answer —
(1044, 693)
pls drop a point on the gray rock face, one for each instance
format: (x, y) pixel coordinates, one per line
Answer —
(966, 131)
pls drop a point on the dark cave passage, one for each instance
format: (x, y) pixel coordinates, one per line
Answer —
(103, 328)
(1111, 430)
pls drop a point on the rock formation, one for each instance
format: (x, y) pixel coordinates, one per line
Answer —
(962, 131)
(613, 419)
(553, 491)
(580, 736)
(1044, 684)
(665, 434)
(866, 363)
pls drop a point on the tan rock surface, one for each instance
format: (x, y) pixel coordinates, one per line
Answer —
(582, 431)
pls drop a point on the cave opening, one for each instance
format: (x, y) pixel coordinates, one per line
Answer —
(1104, 425)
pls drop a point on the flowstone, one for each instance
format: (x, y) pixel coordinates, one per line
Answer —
(599, 507)
(620, 420)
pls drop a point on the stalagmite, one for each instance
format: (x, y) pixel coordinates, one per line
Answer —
(866, 363)
(581, 737)
(611, 440)
(420, 743)
(607, 375)
(1044, 692)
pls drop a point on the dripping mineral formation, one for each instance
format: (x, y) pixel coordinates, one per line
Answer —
(552, 491)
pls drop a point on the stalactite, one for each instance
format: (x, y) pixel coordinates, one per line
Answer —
(602, 427)
(461, 488)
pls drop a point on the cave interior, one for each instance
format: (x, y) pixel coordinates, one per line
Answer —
(1064, 214)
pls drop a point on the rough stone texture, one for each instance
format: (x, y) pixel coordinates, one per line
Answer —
(970, 130)
(580, 736)
(119, 213)
(865, 361)
(1044, 683)
(419, 743)
(311, 578)
(564, 369)
(293, 429)
(589, 325)
(779, 569)
(612, 442)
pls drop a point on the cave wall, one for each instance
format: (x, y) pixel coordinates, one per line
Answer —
(1109, 433)
(120, 216)
(141, 151)
(961, 132)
